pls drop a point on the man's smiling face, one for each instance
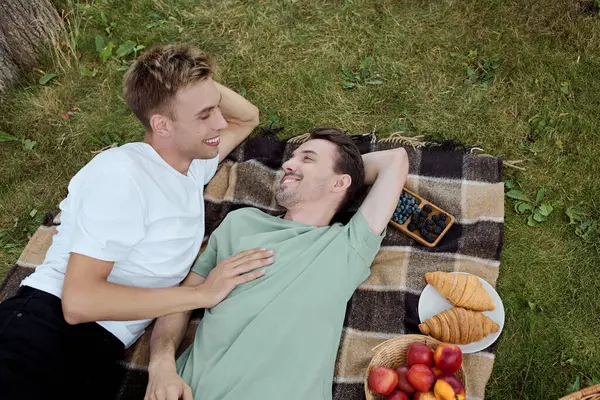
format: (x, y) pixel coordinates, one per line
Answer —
(198, 121)
(308, 175)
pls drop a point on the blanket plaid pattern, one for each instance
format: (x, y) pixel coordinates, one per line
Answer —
(384, 306)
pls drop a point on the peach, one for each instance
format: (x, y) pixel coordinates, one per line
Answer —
(437, 372)
(419, 353)
(443, 390)
(424, 396)
(420, 377)
(456, 384)
(448, 358)
(402, 381)
(397, 395)
(382, 380)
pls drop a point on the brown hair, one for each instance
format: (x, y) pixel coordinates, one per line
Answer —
(152, 81)
(349, 161)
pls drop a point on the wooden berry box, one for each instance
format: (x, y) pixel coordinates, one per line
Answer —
(435, 210)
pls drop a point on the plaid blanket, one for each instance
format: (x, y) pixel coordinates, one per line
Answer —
(469, 187)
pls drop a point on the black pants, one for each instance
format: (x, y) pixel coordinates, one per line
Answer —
(42, 356)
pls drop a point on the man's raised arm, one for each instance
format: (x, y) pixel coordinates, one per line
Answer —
(241, 116)
(387, 171)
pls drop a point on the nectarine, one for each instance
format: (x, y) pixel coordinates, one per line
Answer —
(455, 383)
(382, 380)
(437, 372)
(419, 353)
(424, 396)
(420, 377)
(397, 395)
(402, 381)
(448, 358)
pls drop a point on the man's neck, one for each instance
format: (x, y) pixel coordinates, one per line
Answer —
(311, 214)
(171, 157)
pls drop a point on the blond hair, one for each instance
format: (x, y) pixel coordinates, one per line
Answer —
(152, 81)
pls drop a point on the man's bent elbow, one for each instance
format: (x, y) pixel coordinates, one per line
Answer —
(254, 119)
(401, 159)
(73, 307)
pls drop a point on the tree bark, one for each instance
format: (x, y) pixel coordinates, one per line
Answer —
(26, 28)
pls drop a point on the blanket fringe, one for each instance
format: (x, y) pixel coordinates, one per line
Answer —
(299, 139)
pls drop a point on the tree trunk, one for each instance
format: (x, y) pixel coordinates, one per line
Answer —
(26, 28)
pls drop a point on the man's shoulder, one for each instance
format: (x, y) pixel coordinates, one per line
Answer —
(246, 212)
(122, 162)
(244, 215)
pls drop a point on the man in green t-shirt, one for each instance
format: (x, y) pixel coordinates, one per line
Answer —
(275, 333)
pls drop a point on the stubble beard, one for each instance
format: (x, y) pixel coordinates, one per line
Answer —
(286, 199)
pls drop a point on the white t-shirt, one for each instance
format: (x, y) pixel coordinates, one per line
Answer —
(129, 206)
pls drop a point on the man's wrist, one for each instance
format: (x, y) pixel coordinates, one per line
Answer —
(204, 299)
(161, 363)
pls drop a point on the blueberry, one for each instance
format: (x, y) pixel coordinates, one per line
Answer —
(424, 232)
(442, 217)
(437, 230)
(436, 217)
(428, 222)
(430, 238)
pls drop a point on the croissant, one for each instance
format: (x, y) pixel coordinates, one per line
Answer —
(459, 326)
(462, 290)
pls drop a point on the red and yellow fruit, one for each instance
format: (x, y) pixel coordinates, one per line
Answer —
(428, 375)
(437, 372)
(403, 381)
(457, 387)
(419, 353)
(382, 380)
(447, 357)
(397, 395)
(420, 377)
(424, 396)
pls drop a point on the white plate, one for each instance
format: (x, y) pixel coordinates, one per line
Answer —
(432, 302)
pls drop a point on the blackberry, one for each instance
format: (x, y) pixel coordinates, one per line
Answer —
(442, 217)
(415, 215)
(421, 225)
(430, 228)
(427, 208)
(428, 222)
(412, 227)
(436, 218)
(442, 225)
(424, 233)
(430, 238)
(423, 214)
(437, 230)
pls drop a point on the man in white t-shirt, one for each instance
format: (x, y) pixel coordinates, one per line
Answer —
(131, 227)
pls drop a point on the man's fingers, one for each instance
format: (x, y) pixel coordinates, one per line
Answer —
(252, 265)
(248, 277)
(244, 253)
(261, 256)
(187, 393)
(172, 393)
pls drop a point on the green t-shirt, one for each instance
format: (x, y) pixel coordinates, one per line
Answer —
(277, 337)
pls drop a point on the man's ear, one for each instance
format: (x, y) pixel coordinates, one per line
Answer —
(342, 183)
(161, 125)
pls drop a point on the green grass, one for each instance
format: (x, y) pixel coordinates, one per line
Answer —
(287, 57)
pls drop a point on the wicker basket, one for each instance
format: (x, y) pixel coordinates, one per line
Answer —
(589, 393)
(392, 353)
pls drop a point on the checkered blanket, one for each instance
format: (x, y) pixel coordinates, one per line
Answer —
(467, 186)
